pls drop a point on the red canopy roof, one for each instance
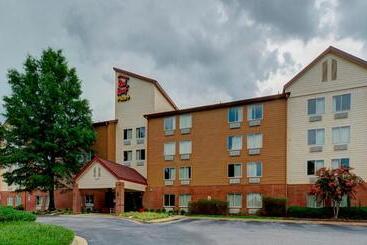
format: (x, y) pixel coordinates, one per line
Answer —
(120, 171)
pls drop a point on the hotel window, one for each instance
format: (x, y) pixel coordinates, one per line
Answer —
(169, 200)
(185, 147)
(128, 133)
(185, 173)
(324, 71)
(341, 135)
(234, 200)
(140, 155)
(10, 201)
(341, 162)
(140, 133)
(169, 174)
(312, 202)
(316, 106)
(128, 155)
(254, 141)
(185, 121)
(235, 170)
(341, 102)
(254, 169)
(235, 114)
(234, 143)
(316, 136)
(313, 166)
(255, 112)
(170, 149)
(254, 200)
(184, 200)
(169, 123)
(18, 200)
(334, 69)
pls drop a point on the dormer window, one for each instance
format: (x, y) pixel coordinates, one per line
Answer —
(324, 71)
(334, 69)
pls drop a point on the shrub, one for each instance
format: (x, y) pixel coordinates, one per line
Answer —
(19, 207)
(322, 213)
(10, 214)
(204, 206)
(274, 207)
(353, 213)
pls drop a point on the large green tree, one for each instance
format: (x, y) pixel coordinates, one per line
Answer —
(48, 125)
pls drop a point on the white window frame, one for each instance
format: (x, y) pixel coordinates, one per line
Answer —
(138, 133)
(189, 169)
(316, 167)
(234, 172)
(334, 102)
(233, 198)
(333, 131)
(182, 147)
(172, 173)
(173, 118)
(234, 149)
(249, 138)
(173, 145)
(185, 124)
(131, 154)
(184, 200)
(249, 205)
(249, 112)
(170, 204)
(239, 112)
(318, 111)
(311, 202)
(10, 201)
(339, 162)
(317, 130)
(138, 154)
(254, 164)
(127, 134)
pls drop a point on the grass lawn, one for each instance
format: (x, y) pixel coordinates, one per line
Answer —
(145, 216)
(32, 233)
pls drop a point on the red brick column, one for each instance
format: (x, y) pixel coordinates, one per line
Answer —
(76, 199)
(120, 196)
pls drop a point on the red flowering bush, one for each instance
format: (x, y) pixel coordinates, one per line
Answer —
(332, 184)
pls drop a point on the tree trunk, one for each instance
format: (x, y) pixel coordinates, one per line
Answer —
(336, 210)
(51, 195)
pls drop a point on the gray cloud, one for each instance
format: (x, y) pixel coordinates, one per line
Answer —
(201, 51)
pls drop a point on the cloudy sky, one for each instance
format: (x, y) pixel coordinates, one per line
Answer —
(202, 52)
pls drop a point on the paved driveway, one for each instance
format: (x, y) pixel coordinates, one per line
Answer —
(99, 230)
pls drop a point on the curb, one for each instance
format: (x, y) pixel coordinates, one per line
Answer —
(79, 241)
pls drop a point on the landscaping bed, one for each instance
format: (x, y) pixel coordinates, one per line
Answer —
(19, 227)
(146, 216)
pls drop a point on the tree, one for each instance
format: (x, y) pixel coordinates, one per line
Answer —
(49, 125)
(332, 184)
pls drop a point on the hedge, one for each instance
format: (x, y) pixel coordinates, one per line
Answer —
(325, 213)
(274, 207)
(10, 214)
(204, 206)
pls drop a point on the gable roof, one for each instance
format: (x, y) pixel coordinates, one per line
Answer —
(330, 50)
(219, 105)
(121, 172)
(147, 79)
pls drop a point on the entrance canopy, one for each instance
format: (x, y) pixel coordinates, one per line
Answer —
(101, 174)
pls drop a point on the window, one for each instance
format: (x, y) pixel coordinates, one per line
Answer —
(169, 123)
(170, 149)
(185, 147)
(96, 172)
(324, 71)
(169, 174)
(10, 201)
(235, 114)
(254, 169)
(185, 173)
(255, 112)
(341, 135)
(312, 202)
(184, 200)
(169, 200)
(39, 200)
(254, 200)
(334, 69)
(235, 170)
(313, 166)
(140, 155)
(140, 133)
(254, 141)
(341, 102)
(234, 200)
(89, 199)
(185, 121)
(128, 133)
(18, 200)
(316, 136)
(128, 156)
(316, 106)
(234, 143)
(338, 163)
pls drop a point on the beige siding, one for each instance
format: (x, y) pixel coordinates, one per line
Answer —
(88, 181)
(160, 102)
(351, 79)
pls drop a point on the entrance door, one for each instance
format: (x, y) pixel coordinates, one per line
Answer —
(89, 203)
(133, 201)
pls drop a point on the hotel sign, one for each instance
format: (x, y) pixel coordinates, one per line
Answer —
(122, 89)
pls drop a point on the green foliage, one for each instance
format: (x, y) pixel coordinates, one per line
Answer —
(31, 233)
(145, 216)
(332, 184)
(359, 213)
(204, 206)
(10, 214)
(274, 207)
(48, 126)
